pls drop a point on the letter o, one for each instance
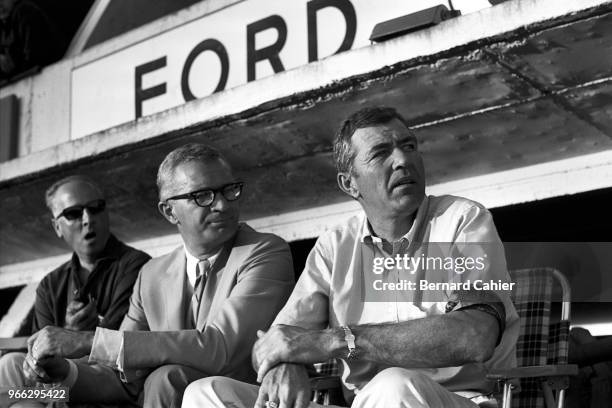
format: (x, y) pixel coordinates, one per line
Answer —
(209, 44)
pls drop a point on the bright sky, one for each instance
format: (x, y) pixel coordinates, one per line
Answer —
(466, 6)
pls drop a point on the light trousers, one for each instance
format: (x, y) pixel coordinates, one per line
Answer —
(163, 388)
(392, 387)
(11, 376)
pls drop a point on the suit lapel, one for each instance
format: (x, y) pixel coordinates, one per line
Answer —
(172, 285)
(220, 283)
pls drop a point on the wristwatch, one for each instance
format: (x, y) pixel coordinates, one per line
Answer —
(349, 337)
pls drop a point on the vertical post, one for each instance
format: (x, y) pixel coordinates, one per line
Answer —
(9, 127)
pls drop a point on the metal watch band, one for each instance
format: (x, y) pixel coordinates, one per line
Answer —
(349, 337)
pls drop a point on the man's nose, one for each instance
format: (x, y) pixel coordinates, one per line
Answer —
(400, 157)
(219, 203)
(87, 216)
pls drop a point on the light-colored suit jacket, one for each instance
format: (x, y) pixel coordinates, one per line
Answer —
(247, 286)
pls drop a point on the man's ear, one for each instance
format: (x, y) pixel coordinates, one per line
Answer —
(167, 211)
(346, 182)
(56, 227)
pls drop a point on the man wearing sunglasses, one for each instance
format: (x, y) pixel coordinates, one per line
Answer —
(90, 290)
(194, 312)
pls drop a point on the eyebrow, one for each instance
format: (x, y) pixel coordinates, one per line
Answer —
(387, 143)
(409, 136)
(381, 145)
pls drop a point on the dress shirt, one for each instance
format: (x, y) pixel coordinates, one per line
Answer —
(333, 289)
(191, 267)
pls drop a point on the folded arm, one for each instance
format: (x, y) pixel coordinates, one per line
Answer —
(453, 339)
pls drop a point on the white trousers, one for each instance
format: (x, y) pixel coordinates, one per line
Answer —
(11, 376)
(392, 387)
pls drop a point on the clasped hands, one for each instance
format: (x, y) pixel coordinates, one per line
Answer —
(48, 348)
(279, 356)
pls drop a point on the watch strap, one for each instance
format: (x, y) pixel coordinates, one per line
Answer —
(349, 337)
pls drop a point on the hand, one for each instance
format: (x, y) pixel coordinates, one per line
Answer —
(81, 316)
(57, 368)
(51, 370)
(33, 373)
(57, 342)
(289, 344)
(287, 385)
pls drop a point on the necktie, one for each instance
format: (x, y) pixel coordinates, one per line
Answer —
(198, 289)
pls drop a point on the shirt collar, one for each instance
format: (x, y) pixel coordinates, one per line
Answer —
(192, 264)
(368, 236)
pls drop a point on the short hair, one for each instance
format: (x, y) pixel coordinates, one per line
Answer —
(51, 191)
(184, 154)
(374, 115)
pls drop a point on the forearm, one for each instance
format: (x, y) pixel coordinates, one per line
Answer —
(84, 343)
(54, 341)
(435, 341)
(128, 351)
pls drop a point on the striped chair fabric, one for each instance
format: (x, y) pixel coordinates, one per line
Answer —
(539, 342)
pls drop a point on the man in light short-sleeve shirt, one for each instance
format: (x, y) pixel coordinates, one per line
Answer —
(408, 347)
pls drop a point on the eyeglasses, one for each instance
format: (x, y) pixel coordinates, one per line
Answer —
(206, 196)
(76, 211)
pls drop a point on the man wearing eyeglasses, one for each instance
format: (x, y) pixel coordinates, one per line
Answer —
(194, 312)
(90, 290)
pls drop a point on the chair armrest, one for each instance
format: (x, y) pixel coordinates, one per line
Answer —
(533, 371)
(325, 382)
(14, 343)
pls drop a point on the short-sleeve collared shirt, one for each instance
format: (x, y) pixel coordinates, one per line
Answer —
(335, 287)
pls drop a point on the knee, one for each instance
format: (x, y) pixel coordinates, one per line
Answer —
(201, 389)
(11, 365)
(393, 387)
(166, 376)
(12, 360)
(397, 375)
(164, 387)
(397, 378)
(207, 383)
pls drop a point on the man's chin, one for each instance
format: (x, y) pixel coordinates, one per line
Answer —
(222, 230)
(409, 203)
(94, 245)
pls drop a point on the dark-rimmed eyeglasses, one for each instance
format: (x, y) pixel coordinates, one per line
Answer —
(76, 211)
(206, 196)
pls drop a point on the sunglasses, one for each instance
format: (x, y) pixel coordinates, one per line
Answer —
(76, 211)
(205, 197)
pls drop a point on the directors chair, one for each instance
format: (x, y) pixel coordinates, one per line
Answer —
(542, 375)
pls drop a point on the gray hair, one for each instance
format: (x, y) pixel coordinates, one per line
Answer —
(366, 117)
(51, 191)
(184, 154)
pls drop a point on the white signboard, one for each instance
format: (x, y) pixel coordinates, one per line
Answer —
(230, 47)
